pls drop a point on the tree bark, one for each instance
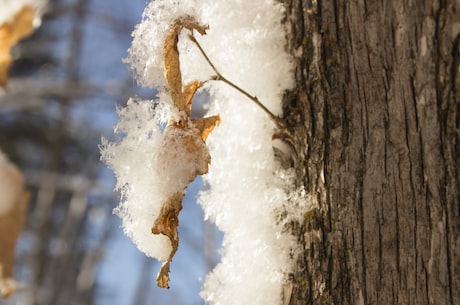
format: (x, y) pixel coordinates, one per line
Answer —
(375, 124)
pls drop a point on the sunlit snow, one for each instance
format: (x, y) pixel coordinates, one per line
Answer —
(247, 187)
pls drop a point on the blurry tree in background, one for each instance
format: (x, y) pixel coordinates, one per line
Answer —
(64, 85)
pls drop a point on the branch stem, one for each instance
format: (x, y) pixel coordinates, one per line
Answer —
(220, 77)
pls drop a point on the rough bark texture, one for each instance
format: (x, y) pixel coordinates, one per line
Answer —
(375, 120)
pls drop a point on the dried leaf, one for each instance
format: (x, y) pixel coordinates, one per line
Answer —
(188, 133)
(171, 58)
(11, 223)
(189, 91)
(206, 125)
(191, 135)
(167, 224)
(20, 26)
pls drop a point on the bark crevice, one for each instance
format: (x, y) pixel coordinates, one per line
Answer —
(375, 121)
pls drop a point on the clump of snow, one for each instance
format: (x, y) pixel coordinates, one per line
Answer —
(247, 187)
(9, 8)
(134, 160)
(146, 52)
(11, 184)
(150, 166)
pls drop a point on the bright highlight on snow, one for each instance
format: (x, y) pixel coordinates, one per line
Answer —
(248, 189)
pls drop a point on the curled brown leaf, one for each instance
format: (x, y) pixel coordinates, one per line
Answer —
(189, 133)
(171, 58)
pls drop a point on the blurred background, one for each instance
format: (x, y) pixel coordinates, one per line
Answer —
(65, 84)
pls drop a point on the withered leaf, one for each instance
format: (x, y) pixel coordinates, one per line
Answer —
(206, 125)
(20, 26)
(171, 58)
(189, 91)
(192, 134)
(11, 223)
(188, 132)
(166, 224)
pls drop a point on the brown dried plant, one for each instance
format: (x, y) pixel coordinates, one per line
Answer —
(11, 223)
(20, 26)
(185, 131)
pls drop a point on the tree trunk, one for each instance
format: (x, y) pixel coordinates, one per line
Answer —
(375, 122)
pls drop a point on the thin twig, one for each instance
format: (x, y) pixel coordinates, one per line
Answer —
(220, 77)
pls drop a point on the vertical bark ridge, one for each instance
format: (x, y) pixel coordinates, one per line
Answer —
(377, 84)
